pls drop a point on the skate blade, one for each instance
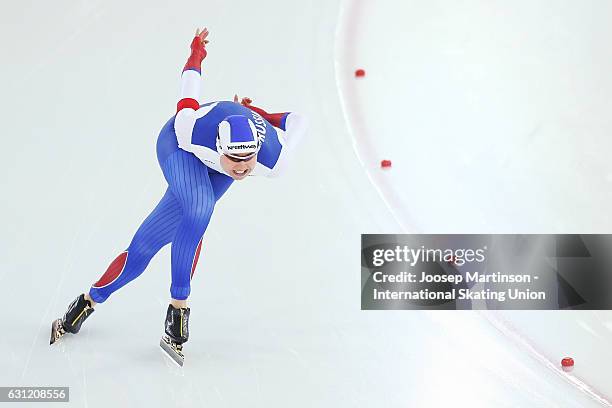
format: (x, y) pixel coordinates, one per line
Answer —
(56, 331)
(172, 353)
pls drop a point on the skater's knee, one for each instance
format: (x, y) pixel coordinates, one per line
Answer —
(140, 250)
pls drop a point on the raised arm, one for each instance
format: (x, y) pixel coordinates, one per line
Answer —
(188, 107)
(190, 78)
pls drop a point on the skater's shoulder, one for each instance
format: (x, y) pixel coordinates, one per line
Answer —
(221, 104)
(219, 108)
(226, 106)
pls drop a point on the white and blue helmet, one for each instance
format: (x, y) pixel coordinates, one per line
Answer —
(237, 137)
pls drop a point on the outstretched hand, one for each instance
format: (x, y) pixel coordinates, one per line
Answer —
(246, 101)
(198, 45)
(198, 49)
(202, 35)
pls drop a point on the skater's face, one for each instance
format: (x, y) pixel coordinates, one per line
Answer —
(237, 168)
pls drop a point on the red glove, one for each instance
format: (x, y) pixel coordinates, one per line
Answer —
(198, 51)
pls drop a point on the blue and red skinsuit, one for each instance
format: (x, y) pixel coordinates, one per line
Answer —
(183, 213)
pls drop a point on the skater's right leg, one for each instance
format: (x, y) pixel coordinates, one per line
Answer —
(157, 230)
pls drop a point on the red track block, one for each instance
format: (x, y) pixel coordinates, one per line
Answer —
(360, 73)
(567, 364)
(385, 164)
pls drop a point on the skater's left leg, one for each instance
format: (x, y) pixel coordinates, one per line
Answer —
(189, 180)
(220, 183)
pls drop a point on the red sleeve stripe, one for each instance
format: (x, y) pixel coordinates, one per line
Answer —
(275, 119)
(187, 103)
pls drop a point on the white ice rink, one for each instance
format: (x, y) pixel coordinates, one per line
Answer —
(495, 114)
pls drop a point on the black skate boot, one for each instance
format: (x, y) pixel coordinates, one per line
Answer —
(177, 333)
(78, 311)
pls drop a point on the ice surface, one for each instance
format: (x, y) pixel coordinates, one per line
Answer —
(494, 115)
(86, 87)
